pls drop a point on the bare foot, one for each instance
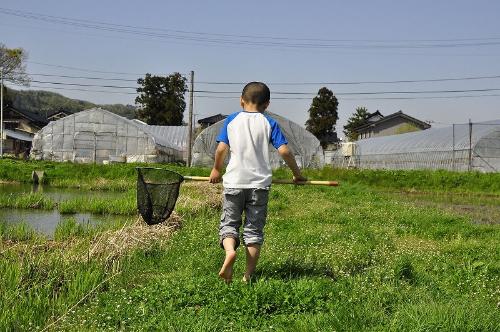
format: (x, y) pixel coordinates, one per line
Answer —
(226, 271)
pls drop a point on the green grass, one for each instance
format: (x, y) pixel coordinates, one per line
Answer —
(122, 177)
(345, 258)
(26, 201)
(19, 232)
(117, 177)
(439, 180)
(122, 204)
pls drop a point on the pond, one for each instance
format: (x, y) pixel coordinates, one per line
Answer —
(56, 194)
(45, 222)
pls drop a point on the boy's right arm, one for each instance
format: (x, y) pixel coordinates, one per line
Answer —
(288, 157)
(220, 156)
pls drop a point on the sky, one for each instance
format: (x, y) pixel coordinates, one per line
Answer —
(274, 42)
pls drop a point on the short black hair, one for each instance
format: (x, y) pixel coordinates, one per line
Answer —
(256, 93)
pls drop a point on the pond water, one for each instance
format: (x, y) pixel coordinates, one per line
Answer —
(45, 222)
(56, 194)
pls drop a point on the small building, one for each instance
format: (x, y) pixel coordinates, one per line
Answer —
(208, 121)
(19, 128)
(397, 123)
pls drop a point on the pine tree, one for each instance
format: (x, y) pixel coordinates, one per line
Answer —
(161, 99)
(323, 115)
(356, 120)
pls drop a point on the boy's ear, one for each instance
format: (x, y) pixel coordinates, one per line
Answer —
(266, 105)
(242, 102)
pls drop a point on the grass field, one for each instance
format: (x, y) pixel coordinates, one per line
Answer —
(352, 258)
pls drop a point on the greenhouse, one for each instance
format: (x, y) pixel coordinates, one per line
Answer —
(99, 136)
(460, 147)
(304, 145)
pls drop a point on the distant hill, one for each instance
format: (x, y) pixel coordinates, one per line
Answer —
(46, 102)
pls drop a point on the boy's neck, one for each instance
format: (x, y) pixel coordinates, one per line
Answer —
(252, 110)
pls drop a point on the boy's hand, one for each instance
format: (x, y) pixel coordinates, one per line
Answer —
(215, 176)
(299, 178)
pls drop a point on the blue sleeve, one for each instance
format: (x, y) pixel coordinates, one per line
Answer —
(277, 137)
(223, 132)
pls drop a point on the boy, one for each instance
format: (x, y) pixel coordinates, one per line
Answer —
(248, 176)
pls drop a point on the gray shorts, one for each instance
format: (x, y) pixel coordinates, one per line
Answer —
(254, 203)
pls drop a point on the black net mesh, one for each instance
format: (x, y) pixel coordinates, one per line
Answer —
(157, 192)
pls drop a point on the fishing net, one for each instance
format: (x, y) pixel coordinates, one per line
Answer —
(157, 192)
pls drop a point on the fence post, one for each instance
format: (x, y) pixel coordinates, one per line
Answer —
(453, 155)
(470, 145)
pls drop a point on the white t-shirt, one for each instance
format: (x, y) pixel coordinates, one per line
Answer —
(248, 135)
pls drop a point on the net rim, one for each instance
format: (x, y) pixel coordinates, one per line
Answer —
(138, 169)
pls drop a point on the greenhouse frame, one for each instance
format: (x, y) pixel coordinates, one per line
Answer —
(460, 147)
(99, 136)
(304, 145)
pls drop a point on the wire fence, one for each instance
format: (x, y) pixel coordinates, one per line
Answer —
(460, 147)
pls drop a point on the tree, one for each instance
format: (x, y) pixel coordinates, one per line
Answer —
(323, 116)
(357, 119)
(13, 64)
(161, 99)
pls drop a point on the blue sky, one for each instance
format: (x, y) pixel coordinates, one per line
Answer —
(340, 22)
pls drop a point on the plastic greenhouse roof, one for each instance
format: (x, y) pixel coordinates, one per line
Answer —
(170, 136)
(434, 139)
(173, 137)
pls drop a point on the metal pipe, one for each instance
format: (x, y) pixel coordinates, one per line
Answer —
(1, 113)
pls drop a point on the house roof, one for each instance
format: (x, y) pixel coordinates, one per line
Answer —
(50, 115)
(372, 115)
(19, 135)
(398, 114)
(34, 117)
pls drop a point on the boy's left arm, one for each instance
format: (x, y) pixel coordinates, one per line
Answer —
(220, 156)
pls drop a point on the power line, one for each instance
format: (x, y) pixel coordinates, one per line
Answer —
(79, 89)
(84, 77)
(275, 98)
(285, 92)
(468, 78)
(363, 98)
(84, 69)
(85, 85)
(361, 93)
(134, 30)
(19, 12)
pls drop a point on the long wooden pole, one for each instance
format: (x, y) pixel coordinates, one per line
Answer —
(276, 181)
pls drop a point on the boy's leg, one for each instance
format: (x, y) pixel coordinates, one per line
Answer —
(253, 253)
(233, 205)
(253, 230)
(226, 271)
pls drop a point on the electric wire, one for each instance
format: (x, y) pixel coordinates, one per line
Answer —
(468, 78)
(102, 26)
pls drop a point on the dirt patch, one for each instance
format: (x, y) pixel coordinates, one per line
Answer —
(482, 209)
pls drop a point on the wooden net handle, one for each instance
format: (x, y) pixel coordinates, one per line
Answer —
(276, 181)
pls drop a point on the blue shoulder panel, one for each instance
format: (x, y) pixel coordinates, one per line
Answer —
(277, 138)
(223, 131)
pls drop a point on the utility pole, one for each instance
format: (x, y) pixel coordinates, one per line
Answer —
(1, 113)
(190, 120)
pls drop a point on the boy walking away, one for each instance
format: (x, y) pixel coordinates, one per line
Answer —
(248, 176)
